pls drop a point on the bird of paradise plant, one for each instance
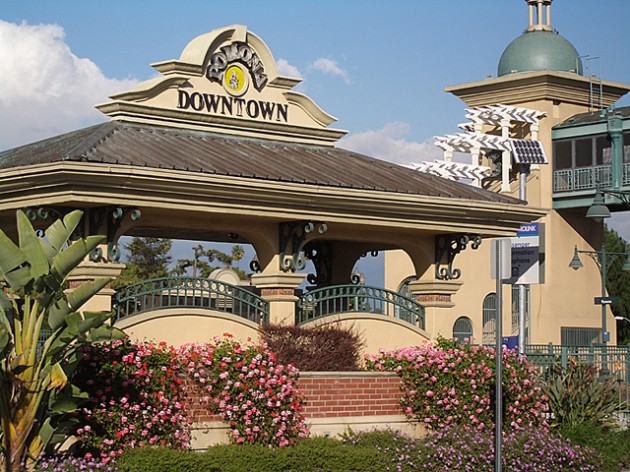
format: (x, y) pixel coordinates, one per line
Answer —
(36, 394)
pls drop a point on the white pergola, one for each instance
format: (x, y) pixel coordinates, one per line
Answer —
(473, 141)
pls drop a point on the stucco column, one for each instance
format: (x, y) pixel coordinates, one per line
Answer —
(278, 289)
(87, 271)
(435, 296)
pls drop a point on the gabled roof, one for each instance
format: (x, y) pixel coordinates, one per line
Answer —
(150, 146)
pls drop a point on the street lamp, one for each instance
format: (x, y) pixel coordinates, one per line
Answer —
(604, 260)
(622, 318)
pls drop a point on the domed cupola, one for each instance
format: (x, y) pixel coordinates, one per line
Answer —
(539, 47)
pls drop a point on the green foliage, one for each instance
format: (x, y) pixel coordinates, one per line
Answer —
(578, 395)
(613, 446)
(322, 348)
(314, 455)
(202, 260)
(450, 450)
(36, 394)
(154, 459)
(618, 283)
(148, 258)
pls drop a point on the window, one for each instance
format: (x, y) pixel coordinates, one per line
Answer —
(562, 155)
(462, 329)
(603, 146)
(626, 147)
(579, 336)
(489, 318)
(584, 152)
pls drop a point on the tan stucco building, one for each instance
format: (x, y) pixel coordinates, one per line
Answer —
(539, 72)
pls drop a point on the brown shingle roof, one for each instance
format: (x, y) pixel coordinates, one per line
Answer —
(213, 153)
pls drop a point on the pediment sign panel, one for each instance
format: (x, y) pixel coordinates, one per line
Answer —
(226, 80)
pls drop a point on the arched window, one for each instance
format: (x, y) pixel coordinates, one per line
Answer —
(489, 318)
(462, 329)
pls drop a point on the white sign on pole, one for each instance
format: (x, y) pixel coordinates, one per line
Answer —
(504, 246)
(526, 255)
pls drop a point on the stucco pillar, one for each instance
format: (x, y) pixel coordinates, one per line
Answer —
(87, 271)
(434, 295)
(278, 289)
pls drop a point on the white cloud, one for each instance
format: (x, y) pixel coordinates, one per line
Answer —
(389, 143)
(286, 69)
(46, 89)
(328, 66)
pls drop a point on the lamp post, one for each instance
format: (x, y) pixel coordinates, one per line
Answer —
(622, 318)
(604, 259)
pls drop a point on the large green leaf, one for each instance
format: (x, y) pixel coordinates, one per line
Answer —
(80, 323)
(105, 333)
(5, 340)
(73, 255)
(58, 233)
(73, 301)
(13, 263)
(32, 247)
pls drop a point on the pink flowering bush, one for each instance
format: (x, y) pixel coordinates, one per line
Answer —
(134, 399)
(254, 394)
(449, 384)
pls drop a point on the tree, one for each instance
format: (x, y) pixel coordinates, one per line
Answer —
(148, 259)
(201, 262)
(618, 283)
(35, 389)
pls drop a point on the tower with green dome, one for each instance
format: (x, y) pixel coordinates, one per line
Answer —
(540, 47)
(542, 72)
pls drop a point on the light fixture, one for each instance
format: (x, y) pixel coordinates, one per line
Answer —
(576, 263)
(622, 318)
(598, 209)
(626, 265)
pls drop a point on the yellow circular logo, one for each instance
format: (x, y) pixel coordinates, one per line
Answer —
(235, 80)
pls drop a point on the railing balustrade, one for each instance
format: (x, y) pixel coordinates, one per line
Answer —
(189, 292)
(338, 299)
(586, 178)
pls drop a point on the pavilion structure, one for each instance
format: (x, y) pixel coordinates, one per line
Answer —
(220, 148)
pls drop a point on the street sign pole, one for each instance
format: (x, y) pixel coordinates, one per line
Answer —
(502, 251)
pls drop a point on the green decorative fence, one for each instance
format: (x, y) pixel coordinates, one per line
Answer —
(613, 361)
(338, 299)
(189, 292)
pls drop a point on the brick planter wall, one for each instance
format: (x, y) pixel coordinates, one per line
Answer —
(334, 402)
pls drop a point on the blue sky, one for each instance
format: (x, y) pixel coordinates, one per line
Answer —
(380, 67)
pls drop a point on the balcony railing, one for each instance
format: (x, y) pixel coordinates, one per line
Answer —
(189, 292)
(340, 299)
(586, 178)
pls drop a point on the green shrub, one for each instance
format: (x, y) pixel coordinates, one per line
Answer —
(578, 395)
(613, 446)
(323, 348)
(314, 455)
(153, 459)
(450, 384)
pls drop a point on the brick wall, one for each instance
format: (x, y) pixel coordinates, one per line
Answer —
(329, 395)
(332, 394)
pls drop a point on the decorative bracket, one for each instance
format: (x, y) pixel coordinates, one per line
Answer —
(451, 245)
(110, 219)
(292, 238)
(96, 220)
(321, 254)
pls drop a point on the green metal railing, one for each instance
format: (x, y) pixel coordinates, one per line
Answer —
(188, 292)
(339, 299)
(614, 360)
(585, 178)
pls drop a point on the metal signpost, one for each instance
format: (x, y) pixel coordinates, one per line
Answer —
(500, 269)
